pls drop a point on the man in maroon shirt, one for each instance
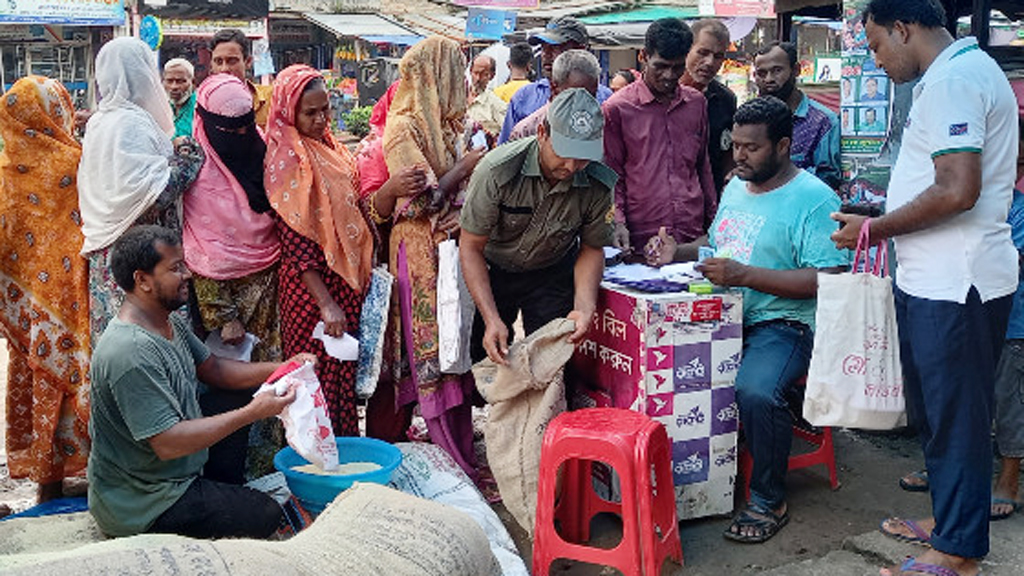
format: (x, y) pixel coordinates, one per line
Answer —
(656, 134)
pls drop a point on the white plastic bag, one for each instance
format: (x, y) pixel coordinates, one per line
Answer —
(307, 425)
(455, 310)
(855, 379)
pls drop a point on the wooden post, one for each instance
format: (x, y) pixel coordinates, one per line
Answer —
(981, 21)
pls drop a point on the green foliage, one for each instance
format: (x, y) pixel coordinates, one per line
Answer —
(357, 121)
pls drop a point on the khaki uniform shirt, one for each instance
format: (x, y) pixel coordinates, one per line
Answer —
(529, 223)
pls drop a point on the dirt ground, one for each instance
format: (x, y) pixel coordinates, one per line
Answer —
(870, 465)
(869, 468)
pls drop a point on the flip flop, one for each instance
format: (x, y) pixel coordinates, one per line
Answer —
(912, 565)
(997, 500)
(921, 476)
(764, 521)
(921, 536)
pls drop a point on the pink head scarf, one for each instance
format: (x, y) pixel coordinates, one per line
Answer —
(373, 170)
(222, 236)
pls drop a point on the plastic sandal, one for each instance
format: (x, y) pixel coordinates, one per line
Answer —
(921, 476)
(912, 565)
(1003, 501)
(921, 536)
(765, 522)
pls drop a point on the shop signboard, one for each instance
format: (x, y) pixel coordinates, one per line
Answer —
(734, 8)
(499, 4)
(487, 24)
(68, 12)
(185, 27)
(291, 31)
(187, 9)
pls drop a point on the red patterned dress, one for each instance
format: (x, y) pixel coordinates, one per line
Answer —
(300, 313)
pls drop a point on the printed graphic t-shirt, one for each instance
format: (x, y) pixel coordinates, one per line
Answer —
(784, 229)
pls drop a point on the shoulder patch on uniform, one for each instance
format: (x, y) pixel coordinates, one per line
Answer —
(602, 174)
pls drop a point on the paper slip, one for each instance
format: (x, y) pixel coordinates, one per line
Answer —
(681, 272)
(344, 348)
(241, 351)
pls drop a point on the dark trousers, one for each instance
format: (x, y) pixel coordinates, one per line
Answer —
(775, 355)
(541, 295)
(949, 353)
(226, 462)
(210, 509)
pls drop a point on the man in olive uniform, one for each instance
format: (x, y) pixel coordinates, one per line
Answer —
(536, 219)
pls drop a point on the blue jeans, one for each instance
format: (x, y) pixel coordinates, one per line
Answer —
(775, 355)
(949, 353)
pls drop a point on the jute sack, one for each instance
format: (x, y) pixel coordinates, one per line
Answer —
(368, 530)
(524, 397)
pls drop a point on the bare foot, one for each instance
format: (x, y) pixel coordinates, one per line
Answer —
(1006, 488)
(51, 491)
(901, 529)
(960, 565)
(75, 486)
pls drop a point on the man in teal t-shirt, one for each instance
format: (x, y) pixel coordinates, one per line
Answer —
(149, 438)
(771, 238)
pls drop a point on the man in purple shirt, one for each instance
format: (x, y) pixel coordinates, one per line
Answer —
(656, 134)
(561, 34)
(816, 129)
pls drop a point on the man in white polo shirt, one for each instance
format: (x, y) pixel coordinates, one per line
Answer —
(957, 266)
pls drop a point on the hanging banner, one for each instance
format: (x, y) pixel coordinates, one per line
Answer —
(69, 12)
(863, 89)
(865, 115)
(485, 24)
(499, 3)
(733, 8)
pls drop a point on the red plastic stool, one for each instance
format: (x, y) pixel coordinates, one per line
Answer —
(823, 453)
(632, 444)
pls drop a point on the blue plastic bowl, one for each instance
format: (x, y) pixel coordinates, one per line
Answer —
(316, 491)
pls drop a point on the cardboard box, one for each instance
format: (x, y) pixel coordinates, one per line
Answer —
(674, 357)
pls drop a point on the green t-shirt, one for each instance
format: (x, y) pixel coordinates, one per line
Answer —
(142, 385)
(787, 228)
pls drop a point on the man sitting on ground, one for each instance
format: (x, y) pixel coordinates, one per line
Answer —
(771, 236)
(149, 438)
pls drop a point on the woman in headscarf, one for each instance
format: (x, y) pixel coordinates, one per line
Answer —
(230, 241)
(384, 418)
(44, 293)
(131, 173)
(424, 129)
(326, 242)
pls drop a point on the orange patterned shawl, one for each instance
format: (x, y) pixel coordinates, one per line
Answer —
(314, 184)
(44, 294)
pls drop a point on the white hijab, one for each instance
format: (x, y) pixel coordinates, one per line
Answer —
(127, 143)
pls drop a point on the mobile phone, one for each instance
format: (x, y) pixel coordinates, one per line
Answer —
(865, 209)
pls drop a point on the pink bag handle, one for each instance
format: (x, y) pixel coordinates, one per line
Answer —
(881, 267)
